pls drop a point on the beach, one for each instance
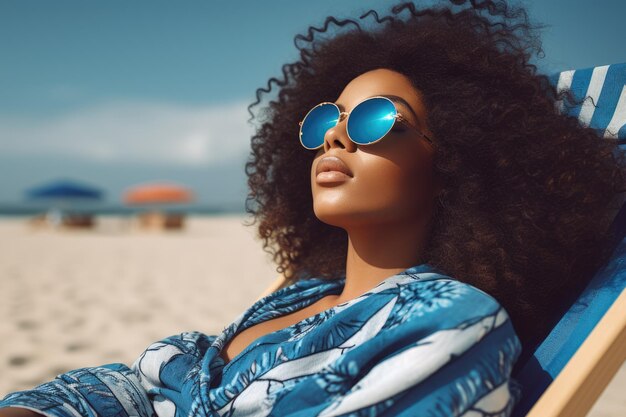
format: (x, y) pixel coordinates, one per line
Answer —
(82, 298)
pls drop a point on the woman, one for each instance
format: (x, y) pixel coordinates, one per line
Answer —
(433, 218)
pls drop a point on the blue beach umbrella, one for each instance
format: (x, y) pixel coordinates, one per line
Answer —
(64, 190)
(58, 197)
(61, 195)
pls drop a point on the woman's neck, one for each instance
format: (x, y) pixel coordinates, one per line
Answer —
(376, 253)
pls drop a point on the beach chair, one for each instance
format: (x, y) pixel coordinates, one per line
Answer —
(571, 367)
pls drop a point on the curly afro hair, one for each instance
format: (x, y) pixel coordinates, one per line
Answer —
(529, 192)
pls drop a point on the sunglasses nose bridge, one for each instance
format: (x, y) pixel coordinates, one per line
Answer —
(333, 137)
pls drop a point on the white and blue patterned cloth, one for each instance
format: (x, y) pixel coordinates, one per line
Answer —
(419, 344)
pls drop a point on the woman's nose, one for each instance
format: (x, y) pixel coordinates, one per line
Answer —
(337, 136)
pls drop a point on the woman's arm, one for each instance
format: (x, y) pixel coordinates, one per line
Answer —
(101, 391)
(113, 389)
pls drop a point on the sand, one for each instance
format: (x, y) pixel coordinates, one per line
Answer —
(73, 299)
(85, 298)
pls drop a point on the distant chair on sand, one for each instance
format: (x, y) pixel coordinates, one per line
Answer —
(78, 220)
(154, 198)
(158, 220)
(62, 220)
(61, 198)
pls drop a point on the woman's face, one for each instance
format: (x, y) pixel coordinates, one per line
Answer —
(391, 179)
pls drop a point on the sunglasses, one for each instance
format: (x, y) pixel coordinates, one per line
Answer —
(368, 122)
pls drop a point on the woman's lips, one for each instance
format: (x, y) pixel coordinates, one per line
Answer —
(332, 169)
(331, 177)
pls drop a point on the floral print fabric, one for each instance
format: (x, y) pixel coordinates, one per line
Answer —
(420, 343)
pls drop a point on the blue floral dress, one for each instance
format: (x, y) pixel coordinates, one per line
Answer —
(419, 344)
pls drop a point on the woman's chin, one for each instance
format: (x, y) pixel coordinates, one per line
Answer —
(339, 214)
(333, 215)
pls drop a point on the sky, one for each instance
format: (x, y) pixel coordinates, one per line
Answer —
(117, 93)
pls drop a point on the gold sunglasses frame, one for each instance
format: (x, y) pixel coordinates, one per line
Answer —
(398, 118)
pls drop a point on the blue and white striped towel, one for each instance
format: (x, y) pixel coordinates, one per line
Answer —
(606, 86)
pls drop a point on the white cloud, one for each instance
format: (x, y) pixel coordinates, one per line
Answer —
(135, 131)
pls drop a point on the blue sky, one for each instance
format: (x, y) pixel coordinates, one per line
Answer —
(115, 93)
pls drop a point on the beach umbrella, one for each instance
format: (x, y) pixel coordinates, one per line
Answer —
(61, 195)
(155, 195)
(158, 193)
(64, 190)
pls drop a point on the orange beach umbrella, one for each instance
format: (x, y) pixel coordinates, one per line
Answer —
(158, 193)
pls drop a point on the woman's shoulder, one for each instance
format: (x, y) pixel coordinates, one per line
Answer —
(443, 291)
(443, 302)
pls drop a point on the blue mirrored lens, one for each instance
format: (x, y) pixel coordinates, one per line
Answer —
(371, 120)
(316, 123)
